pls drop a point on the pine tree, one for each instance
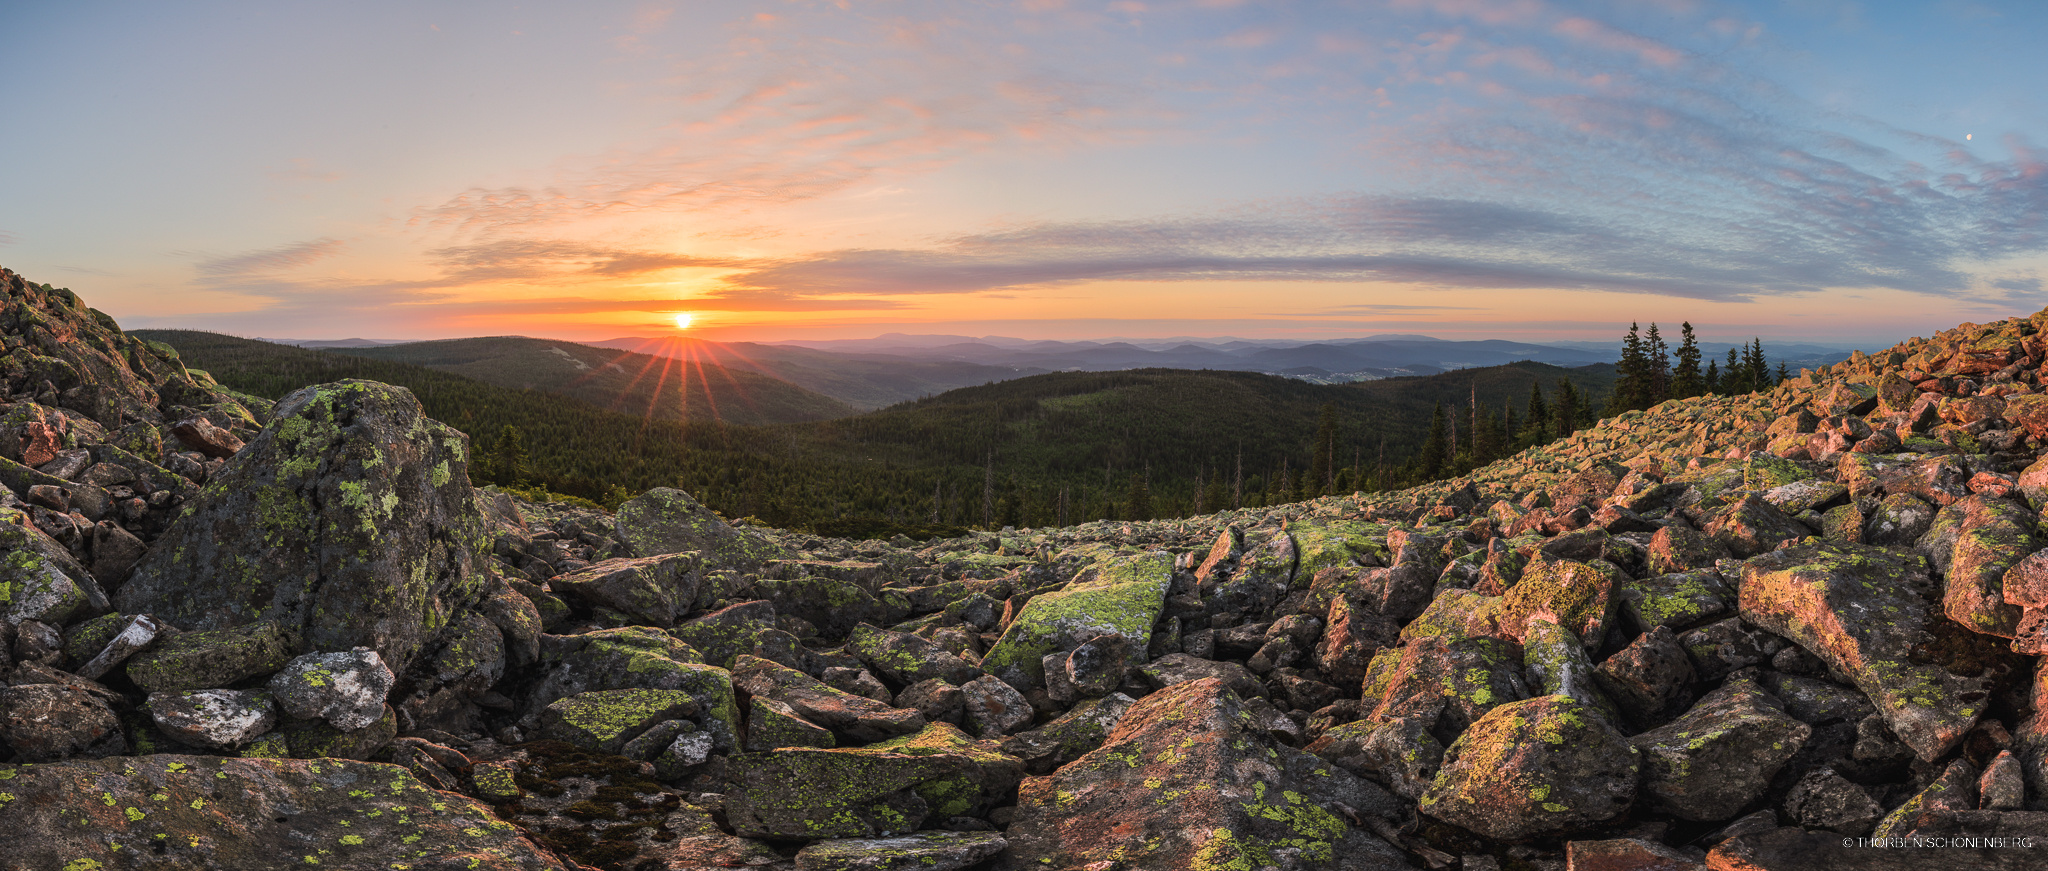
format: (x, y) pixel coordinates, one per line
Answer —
(511, 465)
(1322, 469)
(1631, 374)
(1140, 498)
(1784, 374)
(1759, 368)
(1711, 382)
(1536, 429)
(1686, 380)
(1658, 370)
(1565, 413)
(1432, 458)
(1733, 379)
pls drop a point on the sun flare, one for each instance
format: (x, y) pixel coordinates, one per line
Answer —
(683, 320)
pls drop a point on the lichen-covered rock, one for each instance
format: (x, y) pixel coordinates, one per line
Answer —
(1719, 756)
(346, 688)
(1677, 548)
(1069, 737)
(665, 520)
(45, 722)
(923, 851)
(1861, 610)
(650, 590)
(39, 578)
(728, 632)
(1824, 799)
(1179, 668)
(1401, 754)
(130, 635)
(904, 659)
(1120, 594)
(859, 719)
(1679, 600)
(885, 789)
(1994, 536)
(349, 520)
(247, 815)
(633, 657)
(1650, 678)
(1457, 682)
(772, 725)
(1187, 781)
(1954, 790)
(1557, 665)
(604, 720)
(1580, 596)
(217, 719)
(1629, 854)
(995, 708)
(1753, 526)
(312, 739)
(1542, 766)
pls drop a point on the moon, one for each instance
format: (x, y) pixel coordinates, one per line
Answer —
(682, 320)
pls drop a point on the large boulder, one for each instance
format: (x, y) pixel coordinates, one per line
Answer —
(349, 520)
(39, 578)
(233, 814)
(1119, 594)
(633, 657)
(650, 591)
(1862, 610)
(1712, 762)
(666, 520)
(1543, 766)
(1188, 781)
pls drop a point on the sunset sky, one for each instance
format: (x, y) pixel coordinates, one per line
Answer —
(1795, 169)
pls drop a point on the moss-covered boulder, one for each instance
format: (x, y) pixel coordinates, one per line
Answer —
(1454, 682)
(1579, 596)
(1121, 594)
(246, 815)
(1544, 766)
(923, 851)
(209, 660)
(904, 659)
(349, 520)
(1188, 780)
(729, 631)
(1864, 612)
(632, 657)
(604, 720)
(1710, 763)
(864, 792)
(666, 520)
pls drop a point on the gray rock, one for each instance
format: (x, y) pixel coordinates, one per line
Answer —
(1825, 800)
(349, 520)
(137, 633)
(665, 520)
(858, 719)
(649, 591)
(1721, 755)
(345, 688)
(1069, 737)
(923, 851)
(217, 719)
(995, 708)
(904, 659)
(1650, 679)
(218, 658)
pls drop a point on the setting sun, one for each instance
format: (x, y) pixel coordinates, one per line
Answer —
(682, 320)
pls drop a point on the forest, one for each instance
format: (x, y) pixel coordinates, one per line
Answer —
(1051, 449)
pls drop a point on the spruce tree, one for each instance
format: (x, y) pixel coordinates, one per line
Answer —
(1138, 505)
(1565, 413)
(1536, 430)
(1686, 380)
(1657, 369)
(1733, 379)
(1712, 380)
(1322, 468)
(1630, 374)
(1432, 458)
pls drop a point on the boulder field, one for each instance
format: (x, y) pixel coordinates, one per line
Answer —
(1794, 629)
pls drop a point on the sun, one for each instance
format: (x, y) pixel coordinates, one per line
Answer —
(683, 320)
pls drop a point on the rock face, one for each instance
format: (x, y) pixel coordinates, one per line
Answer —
(1819, 605)
(1187, 780)
(349, 521)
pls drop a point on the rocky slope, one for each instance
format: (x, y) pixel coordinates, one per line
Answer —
(1755, 632)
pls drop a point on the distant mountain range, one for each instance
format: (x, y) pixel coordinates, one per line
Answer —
(867, 374)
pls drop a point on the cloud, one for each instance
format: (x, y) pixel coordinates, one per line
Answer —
(271, 260)
(544, 259)
(6, 238)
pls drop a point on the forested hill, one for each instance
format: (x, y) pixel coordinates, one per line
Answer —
(1033, 451)
(648, 386)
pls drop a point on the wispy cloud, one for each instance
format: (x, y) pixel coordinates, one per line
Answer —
(270, 260)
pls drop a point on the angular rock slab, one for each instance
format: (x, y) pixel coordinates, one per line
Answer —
(635, 657)
(39, 579)
(1547, 765)
(349, 519)
(345, 688)
(47, 721)
(604, 720)
(923, 851)
(1119, 594)
(650, 590)
(1860, 610)
(1187, 781)
(220, 719)
(246, 815)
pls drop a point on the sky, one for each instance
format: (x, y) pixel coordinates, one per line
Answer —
(1810, 170)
